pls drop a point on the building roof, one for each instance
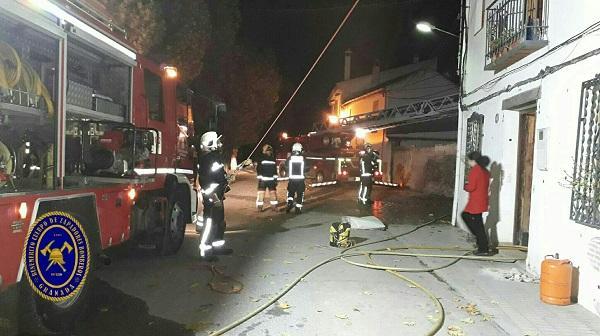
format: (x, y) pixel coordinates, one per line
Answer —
(363, 85)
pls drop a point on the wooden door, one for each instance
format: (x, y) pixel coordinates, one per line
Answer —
(525, 174)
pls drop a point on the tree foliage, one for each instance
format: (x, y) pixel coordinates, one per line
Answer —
(251, 85)
(187, 35)
(247, 80)
(174, 32)
(142, 19)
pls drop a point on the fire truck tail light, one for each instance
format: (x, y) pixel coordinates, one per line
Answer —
(132, 194)
(23, 210)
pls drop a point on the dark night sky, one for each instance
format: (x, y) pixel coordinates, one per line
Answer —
(297, 30)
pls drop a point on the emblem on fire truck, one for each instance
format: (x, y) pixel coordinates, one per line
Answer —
(56, 256)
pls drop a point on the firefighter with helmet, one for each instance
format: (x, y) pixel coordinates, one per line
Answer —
(266, 173)
(296, 168)
(368, 166)
(214, 185)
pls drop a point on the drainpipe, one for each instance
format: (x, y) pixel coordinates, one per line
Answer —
(462, 55)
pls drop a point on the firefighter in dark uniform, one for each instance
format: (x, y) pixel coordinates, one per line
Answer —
(368, 165)
(266, 173)
(214, 184)
(296, 168)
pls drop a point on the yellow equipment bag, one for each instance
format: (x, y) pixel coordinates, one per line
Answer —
(339, 235)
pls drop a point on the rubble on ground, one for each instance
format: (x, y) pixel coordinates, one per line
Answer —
(512, 274)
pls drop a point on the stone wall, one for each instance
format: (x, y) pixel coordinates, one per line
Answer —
(425, 165)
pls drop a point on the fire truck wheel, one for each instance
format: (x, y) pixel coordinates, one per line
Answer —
(174, 232)
(41, 317)
(320, 178)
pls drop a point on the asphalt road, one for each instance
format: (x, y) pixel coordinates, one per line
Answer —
(142, 294)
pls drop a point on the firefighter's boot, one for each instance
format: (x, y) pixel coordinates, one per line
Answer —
(223, 251)
(260, 200)
(274, 202)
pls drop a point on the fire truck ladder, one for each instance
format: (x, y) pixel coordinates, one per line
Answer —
(426, 110)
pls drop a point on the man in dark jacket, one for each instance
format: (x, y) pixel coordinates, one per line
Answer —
(214, 184)
(266, 173)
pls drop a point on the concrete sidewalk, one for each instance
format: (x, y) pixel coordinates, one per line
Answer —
(512, 304)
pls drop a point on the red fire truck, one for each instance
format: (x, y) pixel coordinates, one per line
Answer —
(89, 130)
(330, 155)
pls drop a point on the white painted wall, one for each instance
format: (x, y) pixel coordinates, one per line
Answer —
(551, 230)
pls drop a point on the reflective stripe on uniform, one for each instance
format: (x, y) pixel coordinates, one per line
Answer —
(216, 166)
(203, 246)
(296, 160)
(218, 243)
(210, 189)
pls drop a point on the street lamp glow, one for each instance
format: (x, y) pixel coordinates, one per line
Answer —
(333, 119)
(425, 27)
(284, 135)
(361, 133)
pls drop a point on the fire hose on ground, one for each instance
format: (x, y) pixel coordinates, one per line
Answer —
(345, 256)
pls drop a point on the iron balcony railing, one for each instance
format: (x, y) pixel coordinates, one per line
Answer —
(511, 22)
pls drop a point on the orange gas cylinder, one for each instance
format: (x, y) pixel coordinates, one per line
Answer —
(555, 281)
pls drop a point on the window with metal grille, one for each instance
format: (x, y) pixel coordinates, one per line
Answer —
(474, 135)
(585, 199)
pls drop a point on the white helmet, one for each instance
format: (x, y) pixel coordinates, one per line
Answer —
(210, 141)
(297, 147)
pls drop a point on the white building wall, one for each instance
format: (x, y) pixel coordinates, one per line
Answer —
(551, 231)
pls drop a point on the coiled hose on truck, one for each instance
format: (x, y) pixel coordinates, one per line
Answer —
(396, 271)
(16, 74)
